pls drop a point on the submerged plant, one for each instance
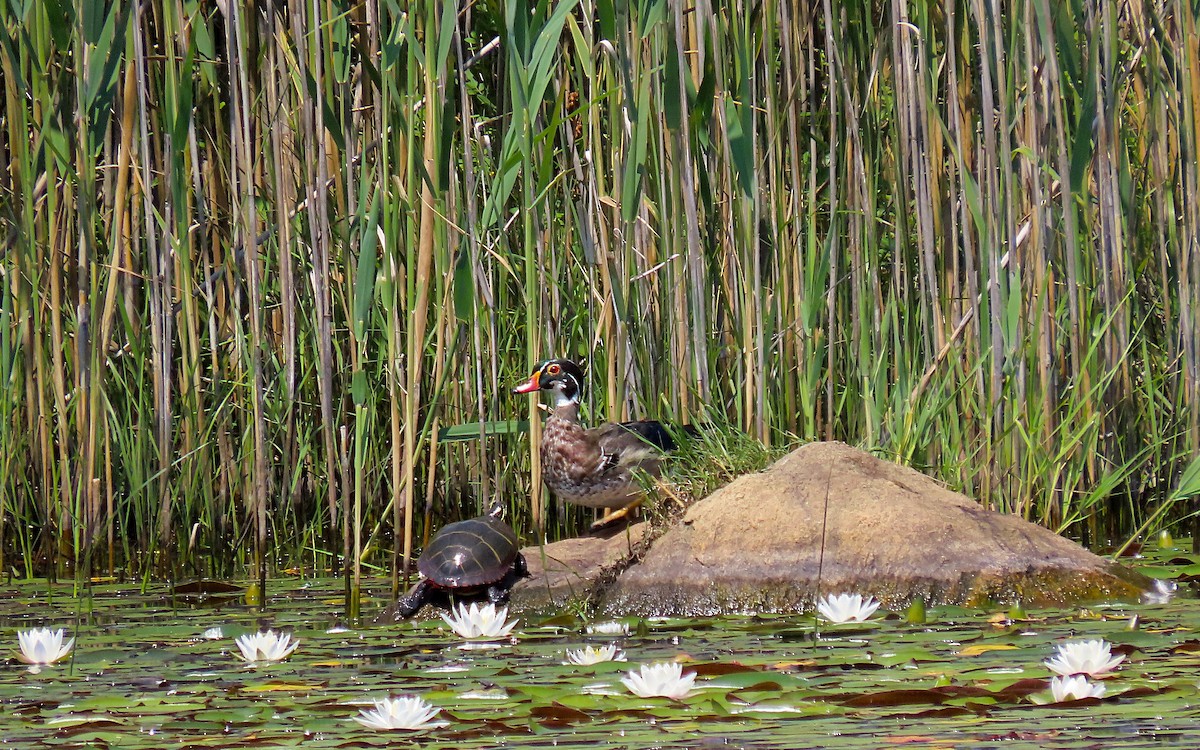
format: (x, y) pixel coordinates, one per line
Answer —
(265, 646)
(664, 679)
(404, 712)
(484, 622)
(40, 646)
(592, 655)
(1092, 657)
(839, 608)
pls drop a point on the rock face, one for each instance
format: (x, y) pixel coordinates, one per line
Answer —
(889, 531)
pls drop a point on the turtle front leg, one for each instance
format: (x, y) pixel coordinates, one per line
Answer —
(498, 592)
(408, 605)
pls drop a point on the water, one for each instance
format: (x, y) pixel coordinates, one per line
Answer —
(141, 676)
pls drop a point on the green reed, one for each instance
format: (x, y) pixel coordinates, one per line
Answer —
(270, 273)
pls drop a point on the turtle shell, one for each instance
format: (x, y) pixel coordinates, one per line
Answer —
(474, 552)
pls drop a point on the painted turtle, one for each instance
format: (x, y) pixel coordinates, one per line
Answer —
(464, 559)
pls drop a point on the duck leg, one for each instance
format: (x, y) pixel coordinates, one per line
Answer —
(620, 514)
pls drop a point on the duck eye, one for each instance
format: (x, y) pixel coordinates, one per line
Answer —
(553, 369)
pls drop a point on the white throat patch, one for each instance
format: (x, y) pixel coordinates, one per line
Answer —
(560, 396)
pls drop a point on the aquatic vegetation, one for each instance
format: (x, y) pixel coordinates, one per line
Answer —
(213, 634)
(839, 608)
(1092, 657)
(665, 679)
(404, 712)
(1075, 688)
(483, 622)
(41, 646)
(755, 680)
(266, 646)
(593, 655)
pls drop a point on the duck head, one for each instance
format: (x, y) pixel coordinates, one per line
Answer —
(561, 376)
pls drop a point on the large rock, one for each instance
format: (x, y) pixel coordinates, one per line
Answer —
(887, 530)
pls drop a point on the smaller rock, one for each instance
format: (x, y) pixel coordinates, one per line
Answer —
(569, 571)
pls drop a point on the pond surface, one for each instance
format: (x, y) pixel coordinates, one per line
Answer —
(142, 676)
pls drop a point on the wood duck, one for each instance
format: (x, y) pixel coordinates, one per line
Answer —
(593, 467)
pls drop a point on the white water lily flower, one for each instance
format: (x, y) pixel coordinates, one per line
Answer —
(593, 655)
(608, 628)
(839, 608)
(1084, 657)
(43, 645)
(665, 679)
(213, 634)
(266, 646)
(1075, 689)
(405, 712)
(475, 621)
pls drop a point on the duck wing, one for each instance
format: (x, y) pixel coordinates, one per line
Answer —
(651, 431)
(623, 447)
(640, 443)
